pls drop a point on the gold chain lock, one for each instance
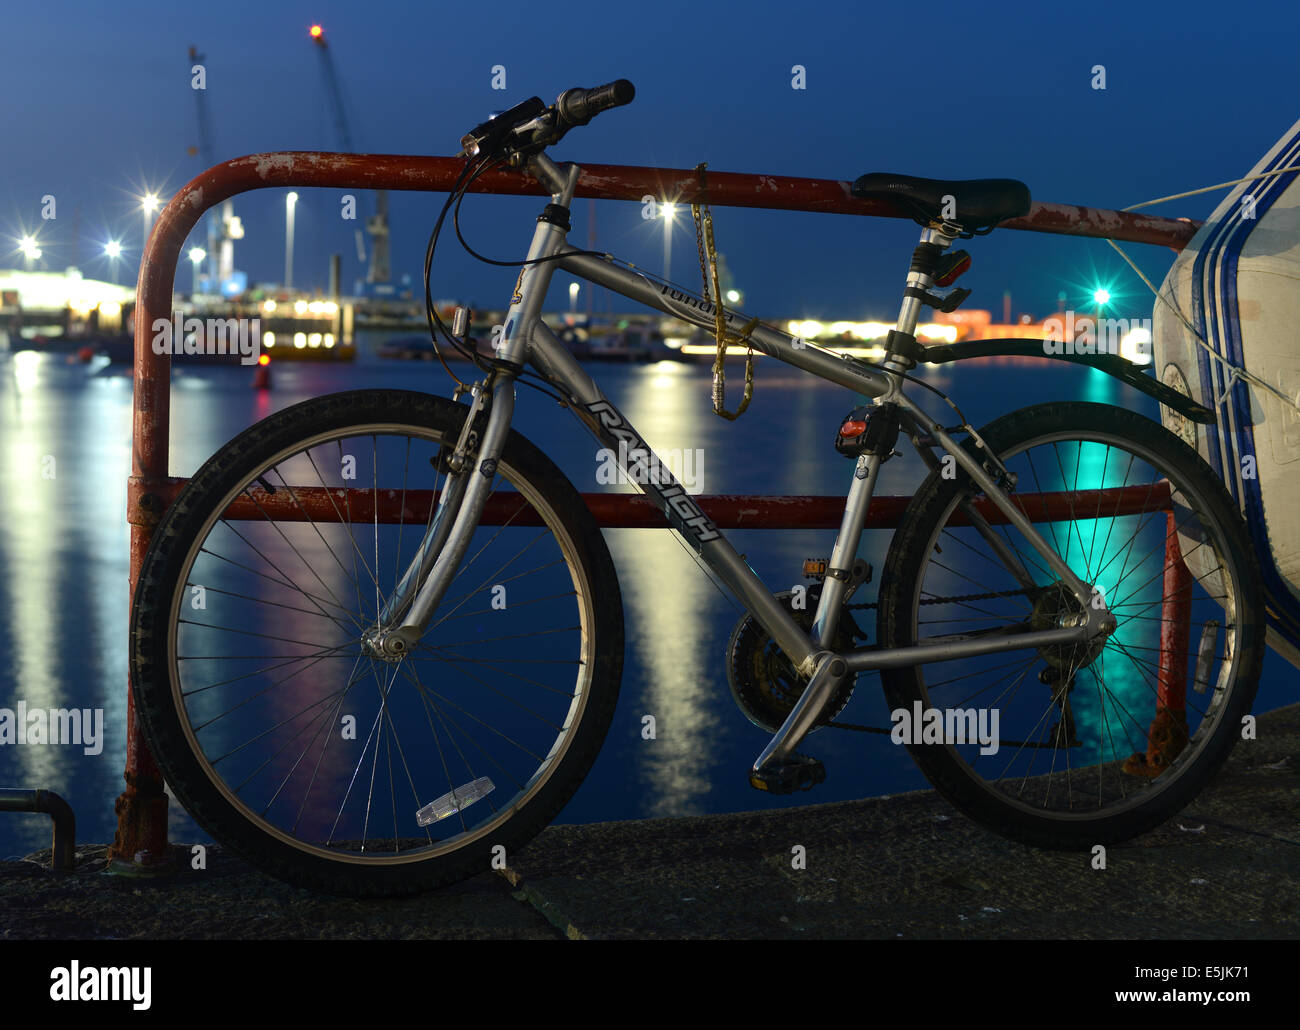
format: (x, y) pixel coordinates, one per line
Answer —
(709, 273)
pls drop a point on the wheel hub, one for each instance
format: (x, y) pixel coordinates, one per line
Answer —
(1057, 608)
(386, 645)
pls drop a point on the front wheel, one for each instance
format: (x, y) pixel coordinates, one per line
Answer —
(286, 736)
(1086, 743)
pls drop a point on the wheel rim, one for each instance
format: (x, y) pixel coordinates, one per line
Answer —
(1063, 752)
(263, 699)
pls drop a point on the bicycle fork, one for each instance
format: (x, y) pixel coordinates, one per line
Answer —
(472, 465)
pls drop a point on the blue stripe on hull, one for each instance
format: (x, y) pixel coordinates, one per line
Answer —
(1224, 255)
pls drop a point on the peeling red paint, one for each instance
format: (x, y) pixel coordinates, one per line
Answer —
(629, 511)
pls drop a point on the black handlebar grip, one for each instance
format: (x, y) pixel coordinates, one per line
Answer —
(579, 106)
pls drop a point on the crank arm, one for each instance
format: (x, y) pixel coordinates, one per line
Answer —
(831, 671)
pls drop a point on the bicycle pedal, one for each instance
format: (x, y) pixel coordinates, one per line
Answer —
(797, 772)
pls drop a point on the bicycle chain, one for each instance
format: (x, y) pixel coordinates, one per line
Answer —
(948, 600)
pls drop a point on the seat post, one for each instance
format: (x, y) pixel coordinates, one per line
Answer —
(920, 276)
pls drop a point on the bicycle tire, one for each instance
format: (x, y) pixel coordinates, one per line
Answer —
(1018, 808)
(388, 417)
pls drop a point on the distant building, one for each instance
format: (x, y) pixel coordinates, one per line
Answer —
(56, 291)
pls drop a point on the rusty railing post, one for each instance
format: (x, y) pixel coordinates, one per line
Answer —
(140, 845)
(1167, 735)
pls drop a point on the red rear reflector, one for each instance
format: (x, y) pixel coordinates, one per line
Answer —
(956, 270)
(852, 428)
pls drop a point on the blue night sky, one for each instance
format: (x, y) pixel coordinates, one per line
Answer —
(98, 105)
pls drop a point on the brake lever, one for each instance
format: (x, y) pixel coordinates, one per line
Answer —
(536, 135)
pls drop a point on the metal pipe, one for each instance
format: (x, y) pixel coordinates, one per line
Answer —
(63, 854)
(630, 182)
(633, 511)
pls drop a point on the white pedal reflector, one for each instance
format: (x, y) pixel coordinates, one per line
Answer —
(457, 801)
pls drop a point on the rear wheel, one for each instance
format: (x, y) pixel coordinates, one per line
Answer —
(288, 739)
(1099, 741)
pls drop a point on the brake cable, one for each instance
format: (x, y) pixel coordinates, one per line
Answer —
(434, 320)
(472, 170)
(492, 261)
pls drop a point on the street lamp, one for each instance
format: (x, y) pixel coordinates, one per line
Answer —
(31, 252)
(1101, 297)
(290, 203)
(148, 205)
(573, 297)
(113, 251)
(197, 254)
(667, 211)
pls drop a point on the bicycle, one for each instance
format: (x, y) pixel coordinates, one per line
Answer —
(367, 711)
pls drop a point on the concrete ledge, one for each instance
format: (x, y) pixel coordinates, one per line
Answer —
(906, 866)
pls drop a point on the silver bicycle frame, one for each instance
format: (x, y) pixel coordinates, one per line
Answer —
(527, 340)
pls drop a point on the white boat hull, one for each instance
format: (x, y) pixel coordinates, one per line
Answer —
(1238, 285)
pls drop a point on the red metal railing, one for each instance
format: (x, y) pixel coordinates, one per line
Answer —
(141, 838)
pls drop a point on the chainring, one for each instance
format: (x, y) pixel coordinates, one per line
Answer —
(763, 681)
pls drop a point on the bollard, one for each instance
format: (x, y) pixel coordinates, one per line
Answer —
(262, 374)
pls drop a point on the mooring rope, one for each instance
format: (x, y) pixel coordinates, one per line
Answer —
(1237, 372)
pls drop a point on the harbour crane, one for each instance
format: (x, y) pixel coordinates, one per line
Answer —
(379, 273)
(223, 230)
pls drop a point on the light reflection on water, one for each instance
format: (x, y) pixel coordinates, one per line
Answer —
(664, 603)
(63, 564)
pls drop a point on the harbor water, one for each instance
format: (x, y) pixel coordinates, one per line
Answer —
(65, 450)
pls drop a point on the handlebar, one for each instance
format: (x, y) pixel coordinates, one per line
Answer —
(579, 106)
(531, 126)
